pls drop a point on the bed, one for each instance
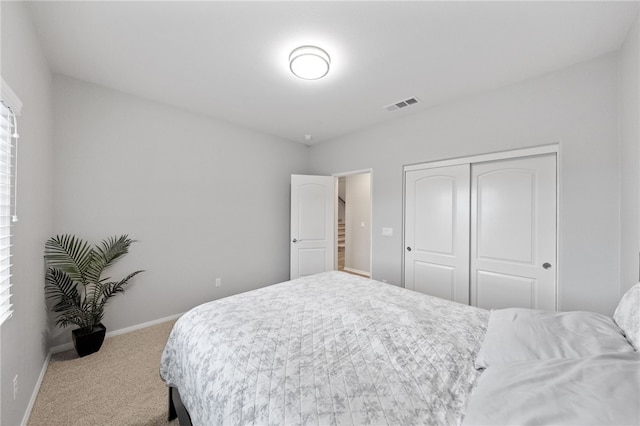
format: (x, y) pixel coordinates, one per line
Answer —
(335, 348)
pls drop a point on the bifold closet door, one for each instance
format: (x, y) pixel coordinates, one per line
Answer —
(513, 233)
(437, 232)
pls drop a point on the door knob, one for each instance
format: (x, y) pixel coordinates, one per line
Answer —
(408, 248)
(546, 265)
(294, 240)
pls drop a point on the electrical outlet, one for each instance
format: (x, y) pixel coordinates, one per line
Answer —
(15, 387)
(218, 282)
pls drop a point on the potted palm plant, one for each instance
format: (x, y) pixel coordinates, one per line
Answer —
(74, 283)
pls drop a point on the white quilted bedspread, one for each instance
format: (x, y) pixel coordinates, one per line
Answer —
(326, 349)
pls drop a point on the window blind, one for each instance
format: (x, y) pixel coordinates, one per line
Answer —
(7, 123)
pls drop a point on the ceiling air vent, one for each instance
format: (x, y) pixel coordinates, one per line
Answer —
(401, 104)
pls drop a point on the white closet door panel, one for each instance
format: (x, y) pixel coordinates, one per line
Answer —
(435, 199)
(437, 232)
(513, 233)
(435, 279)
(505, 215)
(497, 291)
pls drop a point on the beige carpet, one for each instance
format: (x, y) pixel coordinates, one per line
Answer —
(119, 385)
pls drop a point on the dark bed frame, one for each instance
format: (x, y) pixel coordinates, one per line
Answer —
(177, 408)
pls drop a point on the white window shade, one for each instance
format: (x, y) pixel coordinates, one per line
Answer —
(7, 130)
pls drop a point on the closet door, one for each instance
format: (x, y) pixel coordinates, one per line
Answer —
(437, 232)
(513, 233)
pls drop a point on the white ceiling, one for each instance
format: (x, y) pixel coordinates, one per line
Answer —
(229, 59)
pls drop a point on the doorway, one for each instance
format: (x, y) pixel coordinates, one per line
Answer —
(353, 224)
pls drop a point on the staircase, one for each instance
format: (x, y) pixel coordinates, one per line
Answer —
(341, 238)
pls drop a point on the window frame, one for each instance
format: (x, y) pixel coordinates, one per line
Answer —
(10, 108)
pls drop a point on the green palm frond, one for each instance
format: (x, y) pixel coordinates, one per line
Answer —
(114, 248)
(73, 279)
(59, 285)
(75, 316)
(69, 254)
(104, 290)
(111, 250)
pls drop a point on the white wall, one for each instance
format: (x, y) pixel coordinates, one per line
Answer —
(205, 199)
(630, 159)
(358, 223)
(24, 336)
(577, 107)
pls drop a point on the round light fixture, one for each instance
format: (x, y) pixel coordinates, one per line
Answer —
(309, 62)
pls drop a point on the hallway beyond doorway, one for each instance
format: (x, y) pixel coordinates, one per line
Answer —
(353, 227)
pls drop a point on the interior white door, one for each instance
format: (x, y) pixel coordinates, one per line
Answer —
(437, 232)
(513, 233)
(312, 224)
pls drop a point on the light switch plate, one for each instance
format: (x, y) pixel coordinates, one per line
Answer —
(387, 232)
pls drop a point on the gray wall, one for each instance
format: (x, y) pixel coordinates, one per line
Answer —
(205, 199)
(24, 339)
(630, 159)
(577, 107)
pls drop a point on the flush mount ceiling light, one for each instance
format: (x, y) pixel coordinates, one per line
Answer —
(309, 62)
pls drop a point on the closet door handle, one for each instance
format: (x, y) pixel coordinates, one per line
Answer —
(546, 265)
(408, 248)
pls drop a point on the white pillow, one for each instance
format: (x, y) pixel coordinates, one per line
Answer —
(517, 334)
(599, 390)
(627, 315)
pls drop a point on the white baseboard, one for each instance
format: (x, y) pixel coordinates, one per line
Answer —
(67, 346)
(36, 389)
(143, 325)
(61, 348)
(357, 271)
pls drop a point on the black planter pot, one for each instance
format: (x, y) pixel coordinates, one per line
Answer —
(88, 342)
